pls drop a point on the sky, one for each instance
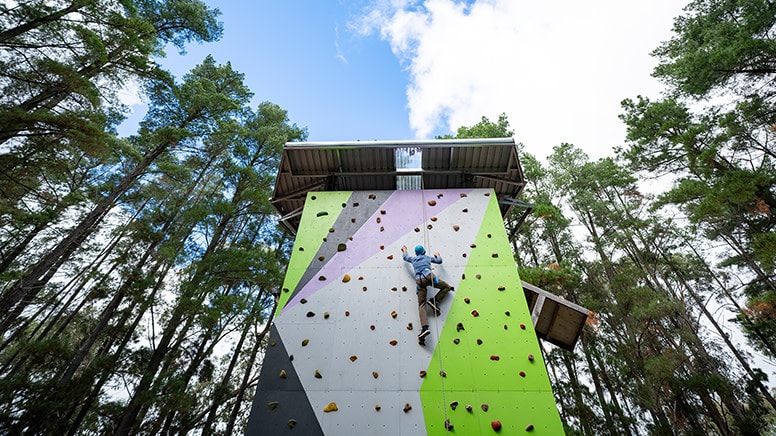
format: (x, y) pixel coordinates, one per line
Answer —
(398, 69)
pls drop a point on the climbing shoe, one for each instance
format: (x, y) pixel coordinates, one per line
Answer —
(424, 332)
(434, 305)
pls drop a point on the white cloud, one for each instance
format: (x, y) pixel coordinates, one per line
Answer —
(557, 68)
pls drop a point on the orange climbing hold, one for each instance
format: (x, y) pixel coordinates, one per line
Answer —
(393, 314)
(346, 278)
(390, 257)
(393, 342)
(353, 358)
(433, 218)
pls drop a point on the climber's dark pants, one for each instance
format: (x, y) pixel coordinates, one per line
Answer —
(423, 284)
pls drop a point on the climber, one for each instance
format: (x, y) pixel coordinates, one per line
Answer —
(424, 277)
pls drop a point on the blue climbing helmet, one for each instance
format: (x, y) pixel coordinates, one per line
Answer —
(419, 250)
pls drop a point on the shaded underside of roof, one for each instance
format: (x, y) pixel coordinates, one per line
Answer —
(372, 165)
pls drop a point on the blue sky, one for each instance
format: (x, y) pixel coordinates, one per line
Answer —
(397, 69)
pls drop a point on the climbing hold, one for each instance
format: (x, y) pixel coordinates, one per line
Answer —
(310, 314)
(361, 277)
(472, 245)
(382, 211)
(409, 326)
(465, 210)
(303, 301)
(375, 374)
(479, 341)
(407, 408)
(364, 289)
(344, 205)
(404, 288)
(283, 373)
(463, 276)
(273, 405)
(301, 248)
(440, 195)
(475, 313)
(331, 407)
(393, 342)
(487, 194)
(290, 357)
(390, 257)
(346, 278)
(322, 213)
(417, 229)
(529, 427)
(456, 341)
(478, 277)
(355, 204)
(347, 313)
(433, 218)
(305, 342)
(448, 426)
(488, 235)
(459, 327)
(522, 373)
(464, 255)
(377, 407)
(463, 194)
(432, 202)
(453, 405)
(494, 357)
(372, 196)
(382, 228)
(331, 229)
(393, 314)
(350, 238)
(325, 315)
(456, 227)
(501, 288)
(442, 373)
(372, 326)
(321, 278)
(382, 247)
(353, 358)
(522, 326)
(484, 407)
(272, 343)
(394, 289)
(493, 254)
(422, 374)
(429, 227)
(341, 246)
(469, 408)
(291, 423)
(318, 374)
(352, 219)
(505, 327)
(466, 300)
(312, 197)
(531, 357)
(378, 220)
(495, 425)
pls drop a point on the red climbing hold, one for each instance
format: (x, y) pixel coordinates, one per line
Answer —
(475, 313)
(393, 342)
(496, 425)
(522, 326)
(531, 357)
(456, 228)
(466, 300)
(453, 405)
(522, 373)
(494, 357)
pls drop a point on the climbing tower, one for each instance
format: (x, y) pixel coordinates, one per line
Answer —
(343, 355)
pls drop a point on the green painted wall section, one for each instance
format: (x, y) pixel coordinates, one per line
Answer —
(310, 236)
(472, 376)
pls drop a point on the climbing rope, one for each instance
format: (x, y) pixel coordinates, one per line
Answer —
(436, 326)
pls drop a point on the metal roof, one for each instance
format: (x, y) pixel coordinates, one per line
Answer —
(371, 165)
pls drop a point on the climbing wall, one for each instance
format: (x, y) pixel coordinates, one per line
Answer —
(343, 356)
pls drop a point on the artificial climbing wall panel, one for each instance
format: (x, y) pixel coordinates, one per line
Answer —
(344, 357)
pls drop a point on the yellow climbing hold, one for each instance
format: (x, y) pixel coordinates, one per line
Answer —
(282, 373)
(331, 407)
